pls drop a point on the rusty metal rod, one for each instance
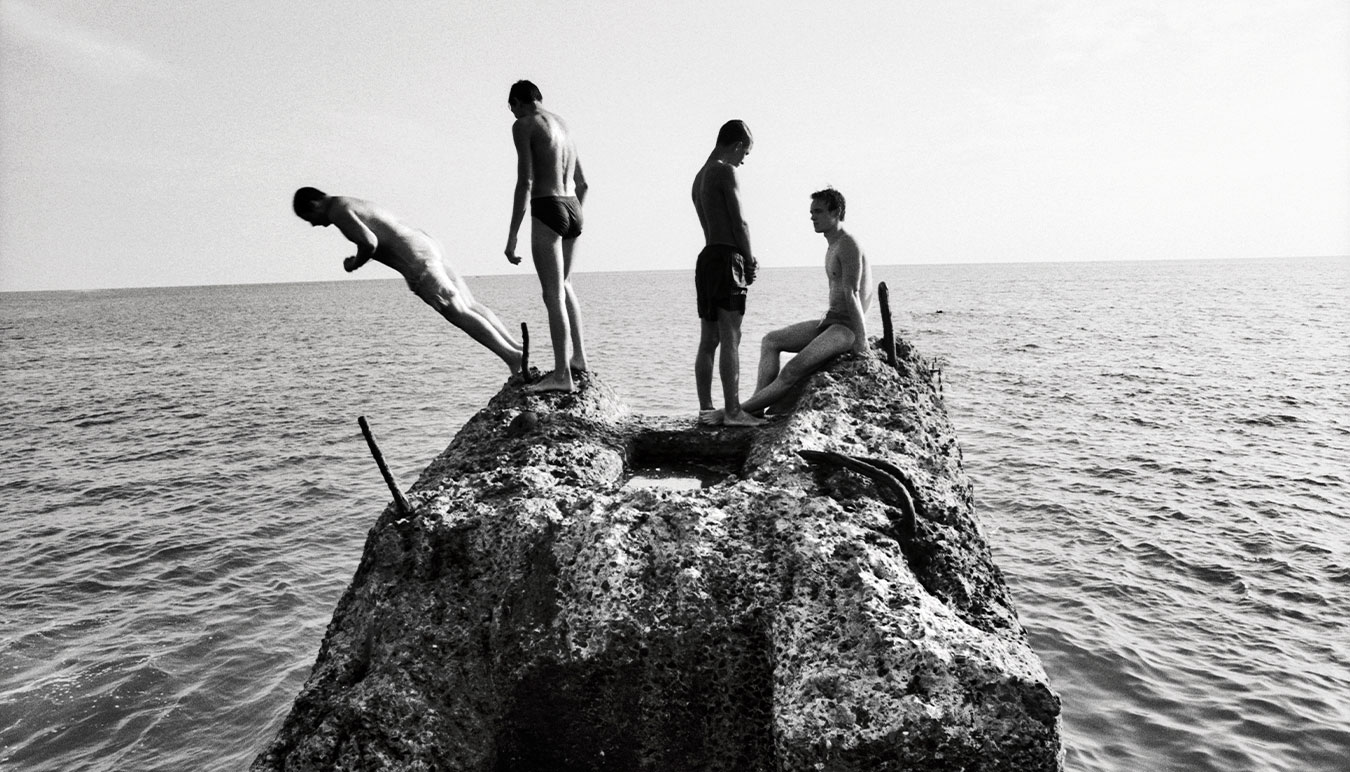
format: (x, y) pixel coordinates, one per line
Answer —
(887, 331)
(525, 351)
(400, 500)
(889, 478)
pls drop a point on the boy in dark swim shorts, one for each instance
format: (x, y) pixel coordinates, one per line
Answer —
(725, 267)
(720, 281)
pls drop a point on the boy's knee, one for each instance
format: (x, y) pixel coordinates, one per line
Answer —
(793, 371)
(451, 306)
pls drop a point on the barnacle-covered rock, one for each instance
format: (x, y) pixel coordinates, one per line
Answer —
(538, 613)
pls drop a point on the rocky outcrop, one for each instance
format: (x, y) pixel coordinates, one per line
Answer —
(538, 613)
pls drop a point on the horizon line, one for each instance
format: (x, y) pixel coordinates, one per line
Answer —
(690, 269)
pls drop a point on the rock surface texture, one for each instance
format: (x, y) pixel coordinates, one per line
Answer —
(537, 613)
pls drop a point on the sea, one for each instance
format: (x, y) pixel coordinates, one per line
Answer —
(1160, 453)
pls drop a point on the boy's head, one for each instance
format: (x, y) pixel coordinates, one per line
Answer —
(308, 203)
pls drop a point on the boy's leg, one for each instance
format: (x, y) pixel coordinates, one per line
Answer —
(729, 368)
(546, 248)
(472, 305)
(790, 339)
(452, 306)
(708, 340)
(826, 345)
(578, 360)
(496, 323)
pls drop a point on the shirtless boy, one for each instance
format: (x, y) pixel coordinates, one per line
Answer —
(549, 176)
(382, 237)
(725, 267)
(815, 341)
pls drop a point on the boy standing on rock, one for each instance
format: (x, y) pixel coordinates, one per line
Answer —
(549, 176)
(725, 268)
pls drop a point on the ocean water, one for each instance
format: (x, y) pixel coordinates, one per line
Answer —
(1160, 451)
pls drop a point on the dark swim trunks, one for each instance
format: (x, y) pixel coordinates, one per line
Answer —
(561, 213)
(719, 278)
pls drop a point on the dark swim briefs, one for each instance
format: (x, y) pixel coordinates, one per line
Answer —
(561, 213)
(719, 278)
(833, 317)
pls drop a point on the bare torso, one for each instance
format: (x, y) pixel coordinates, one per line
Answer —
(408, 250)
(716, 200)
(837, 257)
(553, 154)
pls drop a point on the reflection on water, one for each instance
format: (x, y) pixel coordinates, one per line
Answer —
(677, 477)
(671, 482)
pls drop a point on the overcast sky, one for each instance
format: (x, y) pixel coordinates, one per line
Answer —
(159, 142)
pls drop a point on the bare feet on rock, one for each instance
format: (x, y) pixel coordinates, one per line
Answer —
(551, 383)
(720, 418)
(741, 418)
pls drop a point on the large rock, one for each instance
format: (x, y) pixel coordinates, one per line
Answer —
(537, 614)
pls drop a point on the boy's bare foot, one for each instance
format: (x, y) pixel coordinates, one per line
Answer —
(551, 382)
(719, 417)
(741, 418)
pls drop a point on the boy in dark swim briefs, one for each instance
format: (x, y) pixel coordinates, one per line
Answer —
(725, 267)
(548, 175)
(562, 214)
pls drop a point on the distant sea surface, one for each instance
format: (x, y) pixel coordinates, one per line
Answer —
(1160, 453)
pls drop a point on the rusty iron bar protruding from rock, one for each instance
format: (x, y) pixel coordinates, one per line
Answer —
(887, 331)
(525, 352)
(889, 478)
(914, 502)
(400, 501)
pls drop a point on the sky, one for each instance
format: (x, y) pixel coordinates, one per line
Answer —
(158, 143)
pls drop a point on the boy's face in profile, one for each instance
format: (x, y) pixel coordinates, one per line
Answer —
(821, 217)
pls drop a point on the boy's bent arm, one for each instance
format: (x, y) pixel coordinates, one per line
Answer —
(740, 230)
(357, 233)
(579, 180)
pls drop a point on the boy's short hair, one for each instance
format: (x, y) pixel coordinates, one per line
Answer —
(523, 91)
(305, 198)
(733, 131)
(833, 200)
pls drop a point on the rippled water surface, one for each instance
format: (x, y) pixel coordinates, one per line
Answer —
(1161, 454)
